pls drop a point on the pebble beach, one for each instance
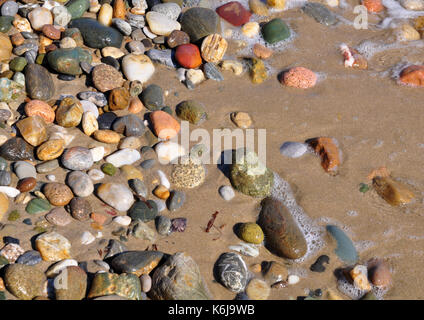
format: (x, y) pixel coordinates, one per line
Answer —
(100, 200)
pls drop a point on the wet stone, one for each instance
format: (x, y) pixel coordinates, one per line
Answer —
(320, 13)
(345, 249)
(318, 265)
(152, 97)
(176, 200)
(199, 22)
(30, 258)
(137, 262)
(231, 271)
(163, 225)
(24, 282)
(140, 230)
(97, 98)
(139, 187)
(5, 178)
(191, 111)
(77, 158)
(212, 72)
(143, 211)
(124, 285)
(80, 209)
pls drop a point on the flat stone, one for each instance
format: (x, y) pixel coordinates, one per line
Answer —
(59, 217)
(80, 183)
(320, 13)
(345, 249)
(199, 22)
(24, 282)
(80, 209)
(106, 78)
(143, 211)
(231, 271)
(24, 169)
(136, 262)
(116, 195)
(97, 35)
(30, 258)
(53, 246)
(293, 149)
(77, 158)
(37, 205)
(16, 149)
(76, 284)
(124, 285)
(275, 30)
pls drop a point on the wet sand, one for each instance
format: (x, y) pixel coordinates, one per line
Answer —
(376, 122)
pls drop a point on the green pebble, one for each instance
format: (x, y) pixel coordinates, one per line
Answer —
(274, 31)
(363, 187)
(2, 295)
(77, 7)
(109, 169)
(40, 229)
(40, 58)
(37, 205)
(5, 23)
(18, 64)
(3, 164)
(191, 111)
(251, 232)
(14, 215)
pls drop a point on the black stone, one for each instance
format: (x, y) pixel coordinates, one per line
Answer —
(66, 77)
(105, 120)
(131, 261)
(8, 240)
(317, 266)
(39, 82)
(231, 271)
(16, 149)
(144, 211)
(129, 125)
(111, 61)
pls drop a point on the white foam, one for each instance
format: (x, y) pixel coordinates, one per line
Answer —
(312, 232)
(355, 293)
(363, 245)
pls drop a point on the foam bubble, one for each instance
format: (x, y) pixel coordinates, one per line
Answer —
(355, 293)
(312, 232)
(364, 245)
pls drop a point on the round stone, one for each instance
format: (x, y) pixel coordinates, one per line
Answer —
(24, 282)
(231, 271)
(80, 209)
(77, 158)
(137, 67)
(37, 205)
(106, 78)
(58, 194)
(213, 48)
(251, 232)
(5, 178)
(226, 192)
(26, 184)
(59, 217)
(275, 30)
(299, 77)
(40, 108)
(258, 289)
(80, 183)
(293, 149)
(191, 111)
(188, 56)
(163, 225)
(53, 246)
(176, 200)
(116, 195)
(143, 211)
(24, 169)
(188, 174)
(109, 169)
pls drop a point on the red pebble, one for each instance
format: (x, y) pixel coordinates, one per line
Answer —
(234, 13)
(51, 32)
(413, 76)
(188, 56)
(300, 77)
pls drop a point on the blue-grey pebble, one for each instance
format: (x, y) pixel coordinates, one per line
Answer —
(98, 98)
(163, 225)
(293, 149)
(9, 8)
(345, 250)
(5, 178)
(171, 10)
(212, 72)
(122, 26)
(176, 200)
(147, 164)
(165, 57)
(30, 258)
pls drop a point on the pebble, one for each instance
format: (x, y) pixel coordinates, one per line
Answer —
(80, 183)
(176, 200)
(129, 125)
(33, 130)
(188, 174)
(373, 6)
(95, 174)
(24, 282)
(105, 14)
(171, 10)
(11, 251)
(136, 262)
(234, 13)
(299, 77)
(177, 38)
(47, 166)
(275, 272)
(122, 26)
(123, 157)
(143, 211)
(318, 266)
(241, 119)
(163, 225)
(148, 164)
(16, 149)
(258, 7)
(178, 278)
(146, 282)
(53, 246)
(191, 111)
(77, 7)
(61, 16)
(29, 258)
(96, 98)
(131, 142)
(232, 65)
(59, 217)
(359, 275)
(122, 220)
(41, 109)
(394, 192)
(131, 172)
(412, 75)
(246, 249)
(106, 77)
(284, 238)
(293, 149)
(188, 56)
(193, 17)
(142, 231)
(161, 24)
(9, 8)
(231, 271)
(126, 286)
(139, 187)
(24, 169)
(80, 209)
(345, 249)
(258, 289)
(379, 272)
(329, 152)
(40, 17)
(251, 232)
(137, 67)
(136, 21)
(293, 279)
(76, 280)
(37, 205)
(116, 195)
(77, 158)
(275, 31)
(212, 72)
(87, 238)
(5, 178)
(136, 47)
(57, 193)
(320, 13)
(226, 192)
(109, 169)
(165, 57)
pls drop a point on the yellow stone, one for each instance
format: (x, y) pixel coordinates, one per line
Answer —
(250, 29)
(33, 130)
(107, 136)
(53, 246)
(51, 149)
(131, 172)
(258, 289)
(4, 205)
(241, 119)
(277, 4)
(258, 7)
(419, 23)
(105, 14)
(161, 192)
(359, 276)
(395, 193)
(89, 123)
(213, 48)
(69, 113)
(22, 24)
(408, 33)
(5, 49)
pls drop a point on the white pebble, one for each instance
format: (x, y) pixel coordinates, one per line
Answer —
(122, 220)
(293, 279)
(10, 191)
(58, 267)
(99, 234)
(181, 72)
(51, 177)
(293, 149)
(96, 174)
(245, 248)
(123, 157)
(97, 153)
(90, 106)
(226, 192)
(169, 151)
(163, 179)
(87, 238)
(149, 33)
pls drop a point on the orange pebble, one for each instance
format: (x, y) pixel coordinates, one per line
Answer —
(413, 76)
(329, 152)
(373, 6)
(98, 218)
(40, 108)
(300, 77)
(164, 125)
(119, 10)
(136, 105)
(379, 172)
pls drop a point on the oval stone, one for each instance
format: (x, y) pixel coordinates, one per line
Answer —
(97, 35)
(231, 271)
(39, 83)
(58, 194)
(77, 158)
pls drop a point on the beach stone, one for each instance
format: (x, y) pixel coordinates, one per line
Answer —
(67, 43)
(40, 17)
(394, 192)
(299, 77)
(119, 99)
(241, 119)
(163, 225)
(131, 172)
(123, 157)
(33, 130)
(30, 258)
(139, 187)
(3, 164)
(80, 183)
(24, 282)
(152, 97)
(234, 13)
(41, 109)
(161, 192)
(17, 64)
(136, 47)
(6, 47)
(37, 205)
(345, 249)
(107, 136)
(136, 262)
(213, 48)
(51, 32)
(191, 111)
(170, 10)
(160, 24)
(164, 125)
(318, 266)
(212, 72)
(11, 251)
(188, 174)
(89, 123)
(283, 236)
(199, 22)
(80, 209)
(226, 192)
(24, 169)
(262, 52)
(232, 65)
(116, 195)
(165, 57)
(5, 178)
(373, 6)
(320, 13)
(5, 115)
(251, 232)
(143, 211)
(47, 166)
(67, 60)
(231, 271)
(275, 272)
(11, 90)
(147, 164)
(61, 16)
(58, 194)
(77, 158)
(176, 200)
(258, 7)
(124, 285)
(327, 149)
(75, 35)
(179, 278)
(408, 33)
(109, 169)
(177, 38)
(122, 26)
(69, 113)
(137, 67)
(258, 71)
(105, 14)
(293, 149)
(258, 289)
(249, 176)
(5, 23)
(114, 248)
(188, 56)
(59, 217)
(98, 98)
(95, 174)
(275, 30)
(415, 5)
(97, 35)
(76, 284)
(9, 8)
(379, 272)
(53, 246)
(412, 75)
(146, 283)
(77, 7)
(141, 230)
(39, 83)
(131, 142)
(106, 78)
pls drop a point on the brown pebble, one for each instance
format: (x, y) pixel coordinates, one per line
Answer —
(17, 39)
(51, 32)
(26, 184)
(119, 99)
(161, 192)
(262, 52)
(379, 272)
(136, 105)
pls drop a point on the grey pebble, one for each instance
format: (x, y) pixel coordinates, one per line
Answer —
(5, 178)
(147, 164)
(164, 57)
(293, 149)
(9, 8)
(122, 26)
(176, 200)
(163, 225)
(97, 98)
(139, 187)
(212, 72)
